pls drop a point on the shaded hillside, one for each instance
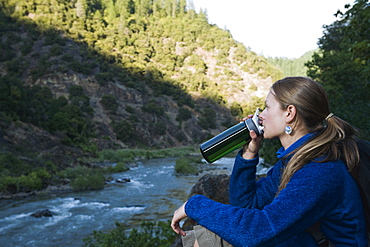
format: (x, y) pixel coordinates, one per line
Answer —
(156, 74)
(82, 76)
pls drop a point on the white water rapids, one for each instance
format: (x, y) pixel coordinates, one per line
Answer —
(153, 194)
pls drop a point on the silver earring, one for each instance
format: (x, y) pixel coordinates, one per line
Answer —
(288, 130)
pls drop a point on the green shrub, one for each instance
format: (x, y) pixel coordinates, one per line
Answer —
(109, 103)
(37, 73)
(180, 136)
(79, 67)
(236, 109)
(160, 128)
(119, 167)
(83, 178)
(207, 120)
(129, 155)
(26, 47)
(186, 166)
(124, 130)
(90, 182)
(129, 109)
(184, 114)
(149, 234)
(56, 50)
(269, 149)
(68, 57)
(153, 107)
(103, 78)
(16, 67)
(24, 183)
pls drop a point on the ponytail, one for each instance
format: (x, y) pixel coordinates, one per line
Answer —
(336, 140)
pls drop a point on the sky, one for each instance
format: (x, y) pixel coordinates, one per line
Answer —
(275, 28)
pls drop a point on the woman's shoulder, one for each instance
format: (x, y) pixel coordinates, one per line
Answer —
(330, 171)
(337, 166)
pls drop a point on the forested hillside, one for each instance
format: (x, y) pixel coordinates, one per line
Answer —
(81, 76)
(292, 67)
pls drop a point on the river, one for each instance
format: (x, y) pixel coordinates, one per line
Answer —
(152, 194)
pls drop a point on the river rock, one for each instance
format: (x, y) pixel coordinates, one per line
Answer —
(215, 187)
(122, 180)
(43, 213)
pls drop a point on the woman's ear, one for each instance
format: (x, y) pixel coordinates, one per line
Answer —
(290, 112)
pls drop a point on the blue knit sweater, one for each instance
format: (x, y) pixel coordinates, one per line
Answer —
(257, 217)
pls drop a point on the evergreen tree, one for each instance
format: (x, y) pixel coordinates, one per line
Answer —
(343, 66)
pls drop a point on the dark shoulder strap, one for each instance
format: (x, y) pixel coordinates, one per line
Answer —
(318, 236)
(362, 176)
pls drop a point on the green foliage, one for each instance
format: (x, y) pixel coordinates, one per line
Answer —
(149, 234)
(187, 165)
(103, 78)
(253, 105)
(124, 130)
(184, 114)
(6, 52)
(56, 50)
(109, 103)
(83, 178)
(67, 57)
(208, 118)
(36, 105)
(21, 176)
(130, 155)
(342, 66)
(198, 63)
(79, 99)
(292, 67)
(24, 183)
(236, 109)
(153, 107)
(268, 150)
(138, 44)
(159, 128)
(119, 167)
(90, 182)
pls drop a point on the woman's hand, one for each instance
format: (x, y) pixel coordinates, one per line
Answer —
(178, 215)
(251, 149)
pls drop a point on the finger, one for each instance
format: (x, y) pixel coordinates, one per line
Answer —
(253, 134)
(176, 228)
(249, 116)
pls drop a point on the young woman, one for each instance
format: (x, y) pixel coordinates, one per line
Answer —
(310, 183)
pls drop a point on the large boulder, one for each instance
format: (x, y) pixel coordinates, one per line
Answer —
(215, 187)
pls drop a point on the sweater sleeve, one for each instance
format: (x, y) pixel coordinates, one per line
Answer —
(310, 193)
(244, 191)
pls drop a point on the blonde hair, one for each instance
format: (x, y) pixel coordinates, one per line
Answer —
(335, 138)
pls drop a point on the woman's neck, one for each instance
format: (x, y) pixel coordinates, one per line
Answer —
(287, 140)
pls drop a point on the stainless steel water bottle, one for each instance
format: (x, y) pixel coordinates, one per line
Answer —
(230, 139)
